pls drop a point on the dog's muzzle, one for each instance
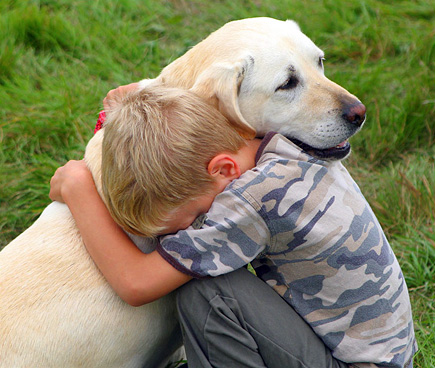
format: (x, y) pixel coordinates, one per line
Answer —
(354, 115)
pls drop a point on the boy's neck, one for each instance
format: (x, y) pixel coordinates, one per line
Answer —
(246, 155)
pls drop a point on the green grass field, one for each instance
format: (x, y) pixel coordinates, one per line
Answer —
(58, 59)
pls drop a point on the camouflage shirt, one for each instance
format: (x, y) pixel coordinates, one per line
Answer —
(312, 236)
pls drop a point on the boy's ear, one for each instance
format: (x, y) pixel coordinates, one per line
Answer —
(224, 166)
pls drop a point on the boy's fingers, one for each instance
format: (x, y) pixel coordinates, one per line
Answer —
(74, 171)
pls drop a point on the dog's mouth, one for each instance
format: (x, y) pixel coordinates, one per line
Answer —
(337, 152)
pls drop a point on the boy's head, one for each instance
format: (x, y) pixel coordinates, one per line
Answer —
(157, 145)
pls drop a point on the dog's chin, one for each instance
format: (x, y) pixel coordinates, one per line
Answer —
(338, 152)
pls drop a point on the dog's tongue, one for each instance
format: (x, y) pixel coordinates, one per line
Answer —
(340, 145)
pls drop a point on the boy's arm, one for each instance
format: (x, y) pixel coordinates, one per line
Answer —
(231, 235)
(138, 278)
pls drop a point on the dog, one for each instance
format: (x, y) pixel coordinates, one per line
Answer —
(57, 310)
(266, 75)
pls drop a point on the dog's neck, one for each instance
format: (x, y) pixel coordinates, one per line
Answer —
(93, 156)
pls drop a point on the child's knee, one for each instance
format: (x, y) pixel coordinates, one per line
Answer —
(201, 292)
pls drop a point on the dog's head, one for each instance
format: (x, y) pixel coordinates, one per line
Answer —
(266, 75)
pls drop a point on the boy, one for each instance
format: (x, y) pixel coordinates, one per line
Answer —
(302, 221)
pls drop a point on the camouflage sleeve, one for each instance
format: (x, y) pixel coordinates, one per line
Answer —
(233, 233)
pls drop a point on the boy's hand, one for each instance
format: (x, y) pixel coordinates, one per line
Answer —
(70, 180)
(116, 94)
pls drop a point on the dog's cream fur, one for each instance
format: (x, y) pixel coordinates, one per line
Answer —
(56, 309)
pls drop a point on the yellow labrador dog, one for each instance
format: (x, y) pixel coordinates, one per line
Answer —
(56, 310)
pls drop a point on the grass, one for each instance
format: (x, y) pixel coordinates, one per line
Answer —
(58, 59)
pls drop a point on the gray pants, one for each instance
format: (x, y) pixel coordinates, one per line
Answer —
(237, 320)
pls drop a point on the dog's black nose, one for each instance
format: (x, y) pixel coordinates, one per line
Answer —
(355, 114)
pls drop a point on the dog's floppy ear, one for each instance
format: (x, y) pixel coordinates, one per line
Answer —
(219, 85)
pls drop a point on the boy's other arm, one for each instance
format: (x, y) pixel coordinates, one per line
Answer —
(138, 278)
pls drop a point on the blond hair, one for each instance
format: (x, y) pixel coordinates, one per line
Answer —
(157, 145)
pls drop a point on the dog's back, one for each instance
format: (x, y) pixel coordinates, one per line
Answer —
(57, 310)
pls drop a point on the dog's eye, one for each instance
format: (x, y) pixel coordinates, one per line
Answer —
(321, 60)
(291, 83)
